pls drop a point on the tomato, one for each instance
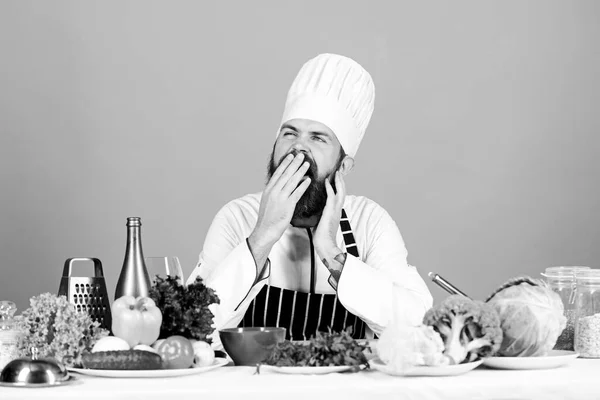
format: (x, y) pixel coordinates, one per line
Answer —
(177, 352)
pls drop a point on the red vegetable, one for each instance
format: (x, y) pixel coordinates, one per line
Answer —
(177, 352)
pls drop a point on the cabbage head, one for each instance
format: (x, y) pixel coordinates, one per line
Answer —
(531, 317)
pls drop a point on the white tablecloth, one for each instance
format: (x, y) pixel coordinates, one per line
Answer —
(579, 380)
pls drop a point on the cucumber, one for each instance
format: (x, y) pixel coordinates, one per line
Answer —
(122, 360)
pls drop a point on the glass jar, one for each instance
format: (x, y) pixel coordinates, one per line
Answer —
(9, 333)
(562, 280)
(587, 314)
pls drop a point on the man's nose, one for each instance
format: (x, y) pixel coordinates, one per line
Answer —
(301, 144)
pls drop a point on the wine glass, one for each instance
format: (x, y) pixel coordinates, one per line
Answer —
(163, 266)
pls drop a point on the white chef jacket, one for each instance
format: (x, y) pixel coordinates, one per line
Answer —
(375, 287)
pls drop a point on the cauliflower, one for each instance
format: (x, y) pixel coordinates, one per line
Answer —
(469, 328)
(531, 317)
(403, 347)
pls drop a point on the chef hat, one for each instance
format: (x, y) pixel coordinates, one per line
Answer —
(337, 92)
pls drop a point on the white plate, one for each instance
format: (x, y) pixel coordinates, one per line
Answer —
(443, 370)
(305, 370)
(556, 358)
(150, 373)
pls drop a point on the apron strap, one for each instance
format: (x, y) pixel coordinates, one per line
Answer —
(349, 243)
(349, 240)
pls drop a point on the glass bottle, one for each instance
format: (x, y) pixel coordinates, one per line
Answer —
(587, 314)
(9, 333)
(134, 279)
(562, 281)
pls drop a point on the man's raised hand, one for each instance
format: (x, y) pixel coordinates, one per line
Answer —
(277, 205)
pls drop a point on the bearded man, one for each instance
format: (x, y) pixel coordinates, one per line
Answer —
(302, 254)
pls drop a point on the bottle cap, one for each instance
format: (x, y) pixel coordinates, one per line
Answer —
(134, 221)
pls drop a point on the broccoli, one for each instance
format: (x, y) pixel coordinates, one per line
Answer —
(470, 328)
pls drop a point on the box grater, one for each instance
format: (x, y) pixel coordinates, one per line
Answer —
(87, 293)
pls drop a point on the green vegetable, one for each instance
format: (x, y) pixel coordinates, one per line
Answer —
(323, 350)
(57, 329)
(122, 360)
(470, 328)
(531, 316)
(184, 308)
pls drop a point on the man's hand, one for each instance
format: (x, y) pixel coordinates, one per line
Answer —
(277, 205)
(324, 237)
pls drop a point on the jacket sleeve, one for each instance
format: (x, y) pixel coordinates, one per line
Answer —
(383, 286)
(227, 266)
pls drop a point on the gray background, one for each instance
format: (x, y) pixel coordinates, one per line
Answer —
(483, 145)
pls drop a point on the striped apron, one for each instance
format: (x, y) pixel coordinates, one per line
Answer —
(303, 314)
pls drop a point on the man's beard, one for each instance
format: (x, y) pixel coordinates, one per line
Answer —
(313, 200)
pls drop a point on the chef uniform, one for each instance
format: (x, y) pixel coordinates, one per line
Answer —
(294, 289)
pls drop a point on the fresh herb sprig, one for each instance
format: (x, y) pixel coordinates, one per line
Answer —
(184, 309)
(323, 350)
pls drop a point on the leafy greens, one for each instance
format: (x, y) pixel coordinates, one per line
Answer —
(323, 350)
(184, 309)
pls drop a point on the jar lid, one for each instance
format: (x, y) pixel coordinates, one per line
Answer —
(589, 275)
(563, 272)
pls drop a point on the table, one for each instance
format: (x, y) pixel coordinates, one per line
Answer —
(579, 380)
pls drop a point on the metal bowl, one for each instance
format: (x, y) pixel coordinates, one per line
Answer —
(250, 346)
(34, 371)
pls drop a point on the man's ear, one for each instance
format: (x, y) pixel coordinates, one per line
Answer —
(346, 165)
